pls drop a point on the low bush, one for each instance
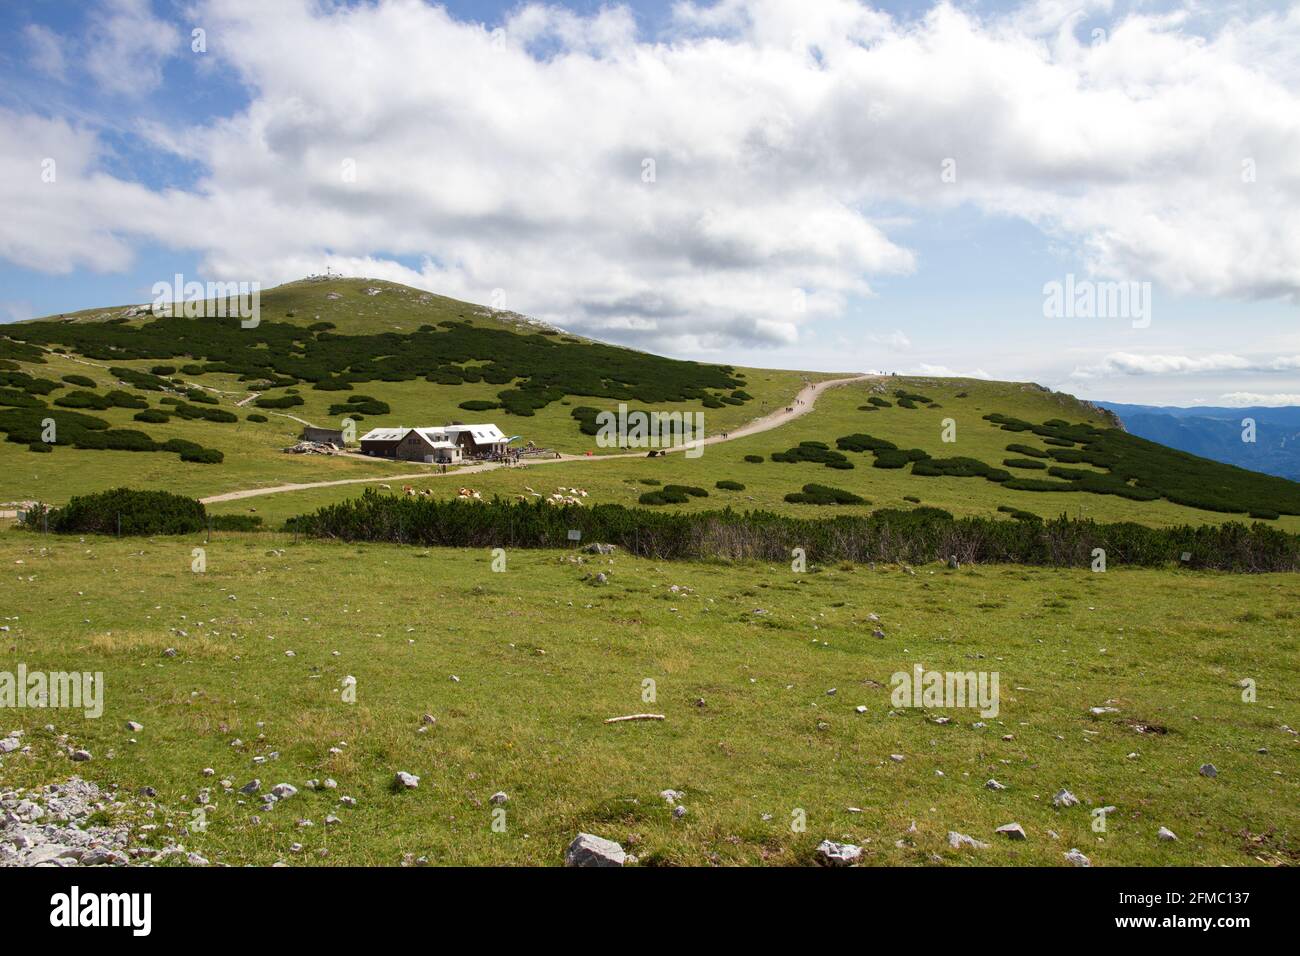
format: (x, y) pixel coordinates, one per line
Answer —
(813, 494)
(122, 511)
(913, 536)
(287, 401)
(728, 485)
(1029, 450)
(813, 451)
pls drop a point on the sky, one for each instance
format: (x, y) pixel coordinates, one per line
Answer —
(1102, 196)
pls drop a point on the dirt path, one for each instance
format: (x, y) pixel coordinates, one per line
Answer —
(801, 405)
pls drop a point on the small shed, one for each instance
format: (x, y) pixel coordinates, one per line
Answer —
(331, 435)
(382, 442)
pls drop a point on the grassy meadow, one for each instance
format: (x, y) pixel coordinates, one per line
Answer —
(621, 480)
(521, 668)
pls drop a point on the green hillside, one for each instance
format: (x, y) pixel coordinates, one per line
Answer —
(204, 407)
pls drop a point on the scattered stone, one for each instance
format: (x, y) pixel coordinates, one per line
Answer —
(830, 853)
(80, 755)
(958, 840)
(1012, 831)
(589, 850)
(1164, 833)
(283, 791)
(134, 727)
(1075, 858)
(498, 798)
(994, 785)
(897, 758)
(1064, 798)
(671, 796)
(1209, 770)
(679, 811)
(405, 781)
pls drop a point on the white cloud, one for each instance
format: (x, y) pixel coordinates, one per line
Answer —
(895, 340)
(127, 46)
(46, 50)
(1127, 363)
(1245, 399)
(943, 371)
(515, 159)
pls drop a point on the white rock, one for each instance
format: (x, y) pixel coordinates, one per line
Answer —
(958, 840)
(994, 785)
(1076, 858)
(408, 781)
(498, 798)
(283, 791)
(1164, 833)
(830, 853)
(589, 850)
(1064, 798)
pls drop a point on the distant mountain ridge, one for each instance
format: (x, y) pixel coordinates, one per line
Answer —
(1217, 433)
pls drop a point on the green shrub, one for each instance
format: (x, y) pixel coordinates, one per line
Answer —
(477, 405)
(672, 495)
(255, 417)
(125, 511)
(728, 485)
(960, 467)
(915, 536)
(825, 495)
(205, 456)
(813, 451)
(40, 446)
(83, 380)
(1028, 450)
(163, 370)
(285, 401)
(152, 416)
(1024, 463)
(754, 459)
